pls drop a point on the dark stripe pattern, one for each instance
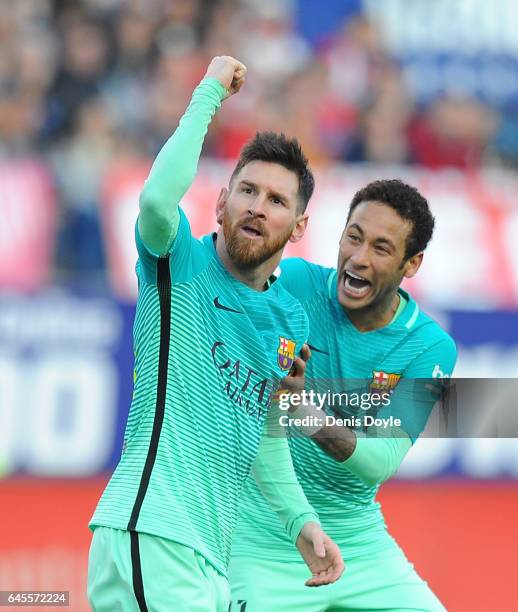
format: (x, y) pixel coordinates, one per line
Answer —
(138, 584)
(164, 293)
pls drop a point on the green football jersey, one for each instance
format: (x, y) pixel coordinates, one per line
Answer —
(411, 346)
(207, 352)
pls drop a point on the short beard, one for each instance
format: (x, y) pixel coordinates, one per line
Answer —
(245, 253)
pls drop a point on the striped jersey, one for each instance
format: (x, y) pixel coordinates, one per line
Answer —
(207, 352)
(411, 346)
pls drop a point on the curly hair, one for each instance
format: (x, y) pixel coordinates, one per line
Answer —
(279, 149)
(409, 204)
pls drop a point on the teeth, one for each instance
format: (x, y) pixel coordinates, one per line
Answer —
(355, 276)
(356, 291)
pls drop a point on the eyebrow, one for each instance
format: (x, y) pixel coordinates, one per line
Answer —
(271, 192)
(380, 240)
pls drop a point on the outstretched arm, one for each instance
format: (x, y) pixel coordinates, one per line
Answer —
(175, 167)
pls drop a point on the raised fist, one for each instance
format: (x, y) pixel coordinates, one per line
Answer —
(229, 71)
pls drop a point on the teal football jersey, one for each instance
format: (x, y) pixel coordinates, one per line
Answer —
(207, 352)
(412, 346)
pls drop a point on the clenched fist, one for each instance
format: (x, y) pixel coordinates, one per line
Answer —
(229, 71)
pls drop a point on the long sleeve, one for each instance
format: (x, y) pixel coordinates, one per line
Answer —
(175, 168)
(275, 476)
(375, 460)
(377, 457)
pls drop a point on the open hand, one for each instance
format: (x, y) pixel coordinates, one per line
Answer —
(321, 555)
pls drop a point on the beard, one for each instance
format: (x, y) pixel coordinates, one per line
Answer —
(246, 252)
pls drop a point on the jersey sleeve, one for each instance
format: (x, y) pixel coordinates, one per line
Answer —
(275, 476)
(380, 451)
(437, 362)
(180, 250)
(174, 169)
(375, 460)
(421, 387)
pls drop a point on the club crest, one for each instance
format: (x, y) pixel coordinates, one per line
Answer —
(384, 381)
(285, 353)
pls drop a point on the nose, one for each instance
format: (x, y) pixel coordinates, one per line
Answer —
(360, 255)
(257, 207)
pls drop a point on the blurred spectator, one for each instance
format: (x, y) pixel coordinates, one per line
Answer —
(79, 164)
(20, 115)
(308, 105)
(126, 86)
(26, 69)
(84, 54)
(382, 131)
(352, 57)
(75, 76)
(452, 132)
(271, 49)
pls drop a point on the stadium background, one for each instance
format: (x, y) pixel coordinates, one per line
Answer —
(89, 90)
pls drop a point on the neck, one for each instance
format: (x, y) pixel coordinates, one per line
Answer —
(379, 315)
(255, 277)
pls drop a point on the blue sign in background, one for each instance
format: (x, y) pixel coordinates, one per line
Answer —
(66, 381)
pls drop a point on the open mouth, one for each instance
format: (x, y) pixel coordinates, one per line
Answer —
(251, 232)
(355, 285)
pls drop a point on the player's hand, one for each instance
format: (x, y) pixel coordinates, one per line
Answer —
(321, 555)
(295, 380)
(229, 71)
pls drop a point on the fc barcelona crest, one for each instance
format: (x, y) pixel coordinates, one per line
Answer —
(384, 381)
(285, 353)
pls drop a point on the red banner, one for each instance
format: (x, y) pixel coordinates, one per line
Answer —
(460, 536)
(469, 263)
(27, 225)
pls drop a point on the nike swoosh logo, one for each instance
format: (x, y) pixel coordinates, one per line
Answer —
(317, 350)
(219, 305)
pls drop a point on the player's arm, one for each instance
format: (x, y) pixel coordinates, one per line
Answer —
(274, 473)
(338, 442)
(372, 459)
(375, 460)
(175, 167)
(375, 457)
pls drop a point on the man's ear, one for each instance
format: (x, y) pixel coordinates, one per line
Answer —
(300, 228)
(220, 205)
(412, 265)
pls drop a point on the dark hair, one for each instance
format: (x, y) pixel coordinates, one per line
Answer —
(279, 149)
(409, 204)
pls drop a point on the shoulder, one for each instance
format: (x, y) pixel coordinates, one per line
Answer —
(188, 256)
(303, 279)
(435, 350)
(431, 333)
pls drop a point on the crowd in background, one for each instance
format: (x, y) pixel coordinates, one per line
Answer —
(85, 82)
